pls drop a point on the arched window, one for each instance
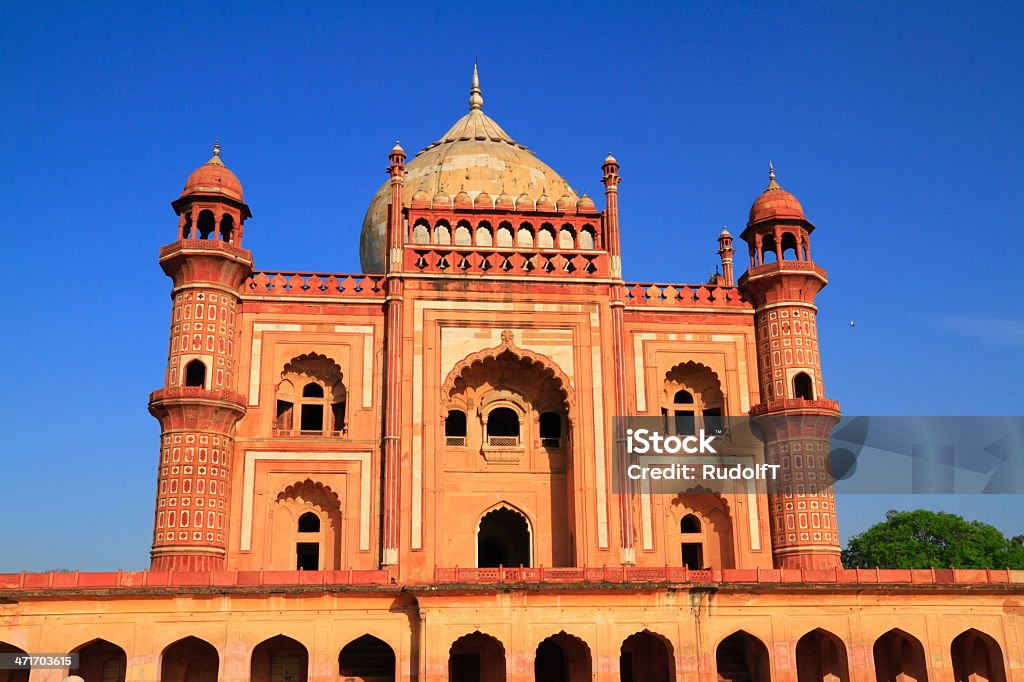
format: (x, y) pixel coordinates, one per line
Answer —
(312, 387)
(455, 428)
(420, 233)
(587, 237)
(546, 238)
(442, 235)
(206, 224)
(689, 524)
(503, 237)
(463, 237)
(525, 237)
(550, 430)
(692, 399)
(768, 254)
(484, 236)
(195, 374)
(312, 413)
(309, 523)
(567, 237)
(227, 227)
(803, 387)
(691, 542)
(503, 427)
(789, 250)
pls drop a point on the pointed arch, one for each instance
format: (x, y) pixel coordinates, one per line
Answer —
(646, 656)
(99, 659)
(821, 657)
(189, 659)
(507, 345)
(899, 657)
(742, 657)
(977, 657)
(368, 658)
(504, 530)
(13, 675)
(563, 656)
(279, 657)
(476, 656)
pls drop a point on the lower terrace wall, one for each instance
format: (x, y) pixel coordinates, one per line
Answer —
(590, 621)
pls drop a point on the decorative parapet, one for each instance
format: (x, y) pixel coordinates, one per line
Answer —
(785, 266)
(448, 260)
(684, 296)
(196, 392)
(204, 245)
(314, 284)
(668, 574)
(797, 405)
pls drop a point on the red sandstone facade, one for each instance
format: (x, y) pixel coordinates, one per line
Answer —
(408, 474)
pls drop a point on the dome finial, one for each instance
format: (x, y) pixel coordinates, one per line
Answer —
(476, 98)
(215, 159)
(771, 177)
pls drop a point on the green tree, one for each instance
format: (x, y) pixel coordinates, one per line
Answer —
(927, 539)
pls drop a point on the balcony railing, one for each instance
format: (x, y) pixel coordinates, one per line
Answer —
(551, 443)
(483, 261)
(503, 441)
(295, 433)
(455, 441)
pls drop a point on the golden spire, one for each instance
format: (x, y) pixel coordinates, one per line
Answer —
(476, 98)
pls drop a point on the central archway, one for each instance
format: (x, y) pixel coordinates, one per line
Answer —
(504, 539)
(741, 657)
(279, 659)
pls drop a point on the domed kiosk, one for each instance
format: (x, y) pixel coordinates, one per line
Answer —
(475, 156)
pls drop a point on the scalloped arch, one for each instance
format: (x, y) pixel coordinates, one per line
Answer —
(296, 489)
(507, 345)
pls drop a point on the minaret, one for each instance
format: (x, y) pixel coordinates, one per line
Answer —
(198, 406)
(611, 180)
(391, 448)
(725, 252)
(793, 417)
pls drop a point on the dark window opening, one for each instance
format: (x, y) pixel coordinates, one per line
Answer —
(284, 415)
(683, 398)
(195, 374)
(503, 540)
(338, 415)
(455, 428)
(312, 418)
(206, 224)
(307, 556)
(626, 666)
(802, 387)
(309, 523)
(693, 555)
(550, 430)
(312, 390)
(713, 422)
(227, 226)
(503, 427)
(789, 245)
(689, 524)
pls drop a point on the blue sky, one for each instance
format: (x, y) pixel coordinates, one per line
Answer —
(898, 127)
